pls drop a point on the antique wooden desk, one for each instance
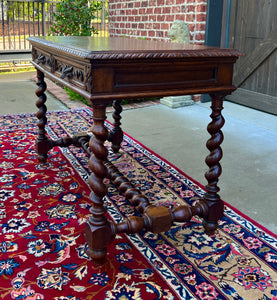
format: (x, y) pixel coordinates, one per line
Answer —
(106, 70)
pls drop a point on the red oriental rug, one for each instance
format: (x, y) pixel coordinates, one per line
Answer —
(43, 210)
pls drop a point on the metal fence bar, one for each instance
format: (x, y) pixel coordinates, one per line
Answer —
(24, 30)
(13, 25)
(34, 26)
(9, 31)
(23, 18)
(29, 23)
(3, 23)
(19, 28)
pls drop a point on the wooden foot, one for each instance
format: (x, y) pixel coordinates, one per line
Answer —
(98, 238)
(99, 231)
(211, 198)
(43, 144)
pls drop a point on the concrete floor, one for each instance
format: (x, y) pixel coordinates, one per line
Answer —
(17, 94)
(249, 177)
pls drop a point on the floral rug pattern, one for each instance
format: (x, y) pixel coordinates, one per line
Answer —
(43, 210)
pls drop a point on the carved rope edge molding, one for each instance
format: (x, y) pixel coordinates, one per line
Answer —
(116, 55)
(162, 54)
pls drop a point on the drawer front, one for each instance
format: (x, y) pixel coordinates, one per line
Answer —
(76, 73)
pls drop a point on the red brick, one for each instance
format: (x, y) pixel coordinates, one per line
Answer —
(180, 17)
(144, 18)
(156, 26)
(166, 10)
(142, 11)
(175, 10)
(144, 3)
(148, 26)
(190, 17)
(143, 33)
(201, 8)
(201, 17)
(153, 18)
(183, 8)
(157, 10)
(160, 18)
(200, 26)
(196, 98)
(200, 37)
(169, 18)
(160, 34)
(190, 8)
(191, 27)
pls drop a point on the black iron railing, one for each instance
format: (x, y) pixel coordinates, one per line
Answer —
(23, 18)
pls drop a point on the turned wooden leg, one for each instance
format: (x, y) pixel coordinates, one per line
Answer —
(211, 198)
(42, 142)
(99, 231)
(116, 134)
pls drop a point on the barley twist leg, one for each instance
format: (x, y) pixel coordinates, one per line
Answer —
(99, 232)
(42, 142)
(211, 197)
(116, 134)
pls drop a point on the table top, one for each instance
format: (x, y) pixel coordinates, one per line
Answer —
(105, 68)
(127, 48)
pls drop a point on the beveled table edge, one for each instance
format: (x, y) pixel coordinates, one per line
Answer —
(211, 52)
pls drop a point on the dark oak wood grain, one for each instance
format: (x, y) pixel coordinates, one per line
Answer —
(107, 70)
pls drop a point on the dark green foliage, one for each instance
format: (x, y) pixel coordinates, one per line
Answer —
(73, 17)
(74, 96)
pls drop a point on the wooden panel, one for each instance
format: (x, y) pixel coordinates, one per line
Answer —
(253, 30)
(255, 58)
(253, 99)
(264, 79)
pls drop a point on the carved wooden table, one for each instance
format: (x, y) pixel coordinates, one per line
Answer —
(106, 70)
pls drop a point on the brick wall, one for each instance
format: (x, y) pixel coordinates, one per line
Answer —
(152, 19)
